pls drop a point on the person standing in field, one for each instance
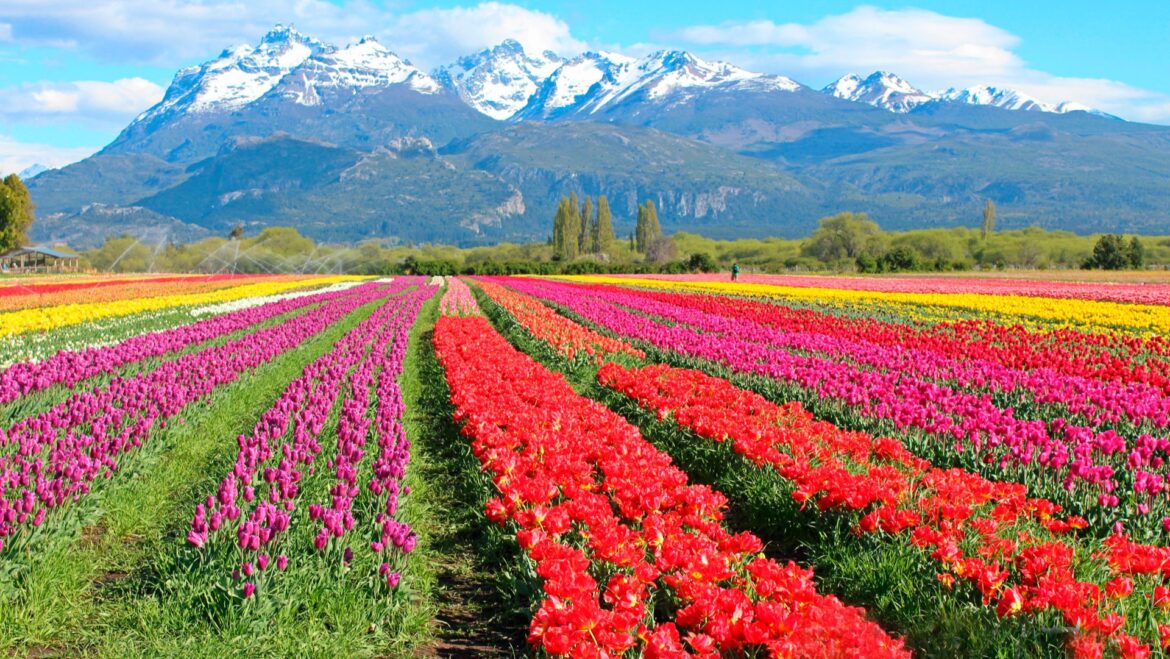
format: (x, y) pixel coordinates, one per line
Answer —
(734, 271)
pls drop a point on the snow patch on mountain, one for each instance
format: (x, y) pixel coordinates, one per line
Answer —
(32, 170)
(239, 76)
(498, 81)
(359, 66)
(1008, 99)
(596, 81)
(505, 82)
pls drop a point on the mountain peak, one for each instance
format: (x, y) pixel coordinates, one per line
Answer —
(498, 81)
(880, 89)
(510, 45)
(282, 32)
(32, 170)
(244, 74)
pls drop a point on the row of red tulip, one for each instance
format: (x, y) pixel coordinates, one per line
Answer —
(562, 334)
(1055, 449)
(612, 525)
(1017, 551)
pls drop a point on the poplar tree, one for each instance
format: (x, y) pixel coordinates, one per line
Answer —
(640, 230)
(603, 229)
(572, 236)
(655, 229)
(560, 225)
(647, 228)
(988, 219)
(585, 239)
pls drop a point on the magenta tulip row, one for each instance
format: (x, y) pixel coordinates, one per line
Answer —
(68, 368)
(1138, 292)
(258, 498)
(51, 458)
(1097, 400)
(1079, 454)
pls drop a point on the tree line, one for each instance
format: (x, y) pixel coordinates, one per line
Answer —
(578, 229)
(584, 240)
(853, 241)
(582, 228)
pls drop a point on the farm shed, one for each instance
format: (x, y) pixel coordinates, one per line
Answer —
(38, 259)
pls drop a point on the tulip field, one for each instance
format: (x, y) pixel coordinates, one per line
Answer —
(584, 466)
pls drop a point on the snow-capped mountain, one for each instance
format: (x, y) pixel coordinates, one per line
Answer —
(361, 65)
(506, 82)
(1007, 99)
(881, 89)
(499, 81)
(596, 81)
(32, 170)
(354, 142)
(574, 84)
(288, 63)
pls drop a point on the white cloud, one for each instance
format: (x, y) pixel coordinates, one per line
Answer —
(931, 50)
(174, 32)
(16, 156)
(432, 37)
(90, 102)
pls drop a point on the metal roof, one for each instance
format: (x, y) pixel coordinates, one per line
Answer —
(36, 249)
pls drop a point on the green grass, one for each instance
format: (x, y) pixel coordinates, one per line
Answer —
(486, 590)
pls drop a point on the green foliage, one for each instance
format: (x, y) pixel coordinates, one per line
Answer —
(567, 229)
(284, 250)
(17, 213)
(1112, 253)
(988, 219)
(900, 259)
(844, 236)
(413, 266)
(584, 239)
(701, 262)
(1137, 253)
(603, 237)
(647, 228)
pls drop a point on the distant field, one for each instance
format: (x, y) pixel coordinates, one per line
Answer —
(641, 465)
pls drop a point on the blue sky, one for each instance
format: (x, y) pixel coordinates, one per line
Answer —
(74, 72)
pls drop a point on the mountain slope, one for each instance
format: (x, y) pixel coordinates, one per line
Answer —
(403, 189)
(696, 186)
